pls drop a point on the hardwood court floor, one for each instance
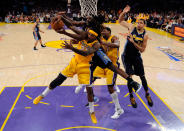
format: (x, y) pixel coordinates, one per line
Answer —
(21, 66)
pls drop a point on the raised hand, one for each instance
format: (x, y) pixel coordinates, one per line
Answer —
(126, 9)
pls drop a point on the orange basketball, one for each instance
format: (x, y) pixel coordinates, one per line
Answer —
(57, 23)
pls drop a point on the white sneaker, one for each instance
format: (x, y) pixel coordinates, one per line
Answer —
(117, 89)
(78, 88)
(117, 114)
(85, 90)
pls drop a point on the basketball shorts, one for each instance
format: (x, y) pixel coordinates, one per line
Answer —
(133, 65)
(36, 36)
(107, 73)
(81, 69)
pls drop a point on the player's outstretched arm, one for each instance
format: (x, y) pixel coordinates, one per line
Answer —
(122, 21)
(78, 31)
(74, 36)
(76, 23)
(89, 51)
(115, 43)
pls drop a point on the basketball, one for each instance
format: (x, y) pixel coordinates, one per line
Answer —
(57, 23)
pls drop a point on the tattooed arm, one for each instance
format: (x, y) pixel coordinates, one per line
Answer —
(89, 51)
(115, 43)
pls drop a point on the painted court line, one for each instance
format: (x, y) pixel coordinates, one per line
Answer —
(149, 111)
(4, 123)
(34, 109)
(147, 108)
(167, 105)
(93, 127)
(32, 92)
(2, 90)
(7, 99)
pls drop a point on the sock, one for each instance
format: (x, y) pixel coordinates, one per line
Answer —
(46, 91)
(115, 100)
(91, 107)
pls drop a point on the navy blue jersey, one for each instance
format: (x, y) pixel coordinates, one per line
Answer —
(36, 33)
(130, 50)
(36, 29)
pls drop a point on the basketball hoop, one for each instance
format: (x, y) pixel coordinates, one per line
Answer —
(88, 7)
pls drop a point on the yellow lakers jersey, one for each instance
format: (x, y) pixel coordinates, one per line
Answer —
(82, 45)
(112, 53)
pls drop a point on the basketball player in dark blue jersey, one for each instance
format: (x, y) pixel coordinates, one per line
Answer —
(131, 57)
(36, 34)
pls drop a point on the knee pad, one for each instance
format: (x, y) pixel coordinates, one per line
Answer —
(58, 81)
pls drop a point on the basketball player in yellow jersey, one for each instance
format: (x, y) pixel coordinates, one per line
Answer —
(111, 45)
(80, 65)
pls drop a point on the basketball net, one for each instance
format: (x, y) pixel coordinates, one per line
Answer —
(88, 7)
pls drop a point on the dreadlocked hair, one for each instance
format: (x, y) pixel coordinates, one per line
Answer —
(96, 24)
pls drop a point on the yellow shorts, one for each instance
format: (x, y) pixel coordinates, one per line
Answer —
(82, 70)
(106, 73)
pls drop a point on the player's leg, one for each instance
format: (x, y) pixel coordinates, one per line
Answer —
(36, 38)
(107, 63)
(110, 79)
(56, 82)
(69, 71)
(40, 40)
(139, 70)
(115, 78)
(91, 104)
(129, 70)
(85, 76)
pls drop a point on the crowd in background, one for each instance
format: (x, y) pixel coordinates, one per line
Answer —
(160, 20)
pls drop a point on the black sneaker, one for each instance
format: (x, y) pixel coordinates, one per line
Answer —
(133, 102)
(136, 86)
(43, 46)
(35, 48)
(150, 102)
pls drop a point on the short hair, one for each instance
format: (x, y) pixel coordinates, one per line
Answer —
(107, 28)
(143, 21)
